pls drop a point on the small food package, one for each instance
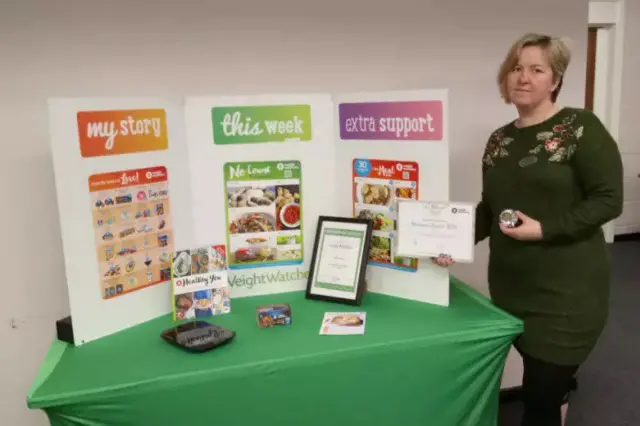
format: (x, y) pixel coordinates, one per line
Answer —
(273, 315)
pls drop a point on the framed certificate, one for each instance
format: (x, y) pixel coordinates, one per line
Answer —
(428, 229)
(339, 260)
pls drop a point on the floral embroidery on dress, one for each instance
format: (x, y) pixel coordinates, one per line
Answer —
(552, 145)
(544, 135)
(554, 142)
(496, 147)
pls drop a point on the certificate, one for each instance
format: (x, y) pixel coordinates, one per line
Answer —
(339, 260)
(428, 229)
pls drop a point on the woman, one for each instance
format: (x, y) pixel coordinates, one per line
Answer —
(561, 172)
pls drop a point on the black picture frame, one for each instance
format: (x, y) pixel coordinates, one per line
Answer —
(356, 296)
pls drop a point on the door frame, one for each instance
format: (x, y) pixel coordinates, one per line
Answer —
(608, 18)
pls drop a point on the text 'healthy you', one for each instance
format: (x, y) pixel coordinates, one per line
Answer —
(260, 124)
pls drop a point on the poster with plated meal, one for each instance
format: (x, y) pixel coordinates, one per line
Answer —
(133, 229)
(264, 213)
(200, 282)
(377, 186)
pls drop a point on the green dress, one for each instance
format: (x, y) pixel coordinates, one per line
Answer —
(565, 172)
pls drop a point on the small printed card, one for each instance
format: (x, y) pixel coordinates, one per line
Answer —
(336, 323)
(200, 283)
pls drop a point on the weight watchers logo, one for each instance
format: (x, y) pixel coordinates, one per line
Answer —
(251, 280)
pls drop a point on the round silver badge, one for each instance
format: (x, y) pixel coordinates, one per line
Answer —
(509, 218)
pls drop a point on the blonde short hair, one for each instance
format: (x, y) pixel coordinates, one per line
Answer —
(557, 51)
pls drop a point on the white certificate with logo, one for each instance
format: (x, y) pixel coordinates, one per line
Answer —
(428, 229)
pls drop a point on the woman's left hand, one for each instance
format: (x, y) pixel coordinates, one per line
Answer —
(529, 230)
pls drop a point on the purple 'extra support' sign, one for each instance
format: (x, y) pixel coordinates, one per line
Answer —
(397, 120)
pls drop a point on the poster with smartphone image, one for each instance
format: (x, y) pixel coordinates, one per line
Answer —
(200, 282)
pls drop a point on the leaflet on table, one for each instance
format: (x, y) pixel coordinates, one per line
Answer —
(200, 282)
(377, 186)
(342, 323)
(264, 213)
(133, 232)
(428, 229)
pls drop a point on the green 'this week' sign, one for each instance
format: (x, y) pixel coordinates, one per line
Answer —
(261, 123)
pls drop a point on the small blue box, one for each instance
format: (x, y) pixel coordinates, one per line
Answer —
(273, 315)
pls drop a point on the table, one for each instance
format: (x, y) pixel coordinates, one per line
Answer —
(416, 364)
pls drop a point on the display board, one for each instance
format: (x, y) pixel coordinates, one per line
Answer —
(140, 179)
(123, 202)
(392, 146)
(261, 174)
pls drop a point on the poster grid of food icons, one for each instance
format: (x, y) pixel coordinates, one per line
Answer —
(200, 283)
(133, 232)
(377, 186)
(264, 213)
(343, 323)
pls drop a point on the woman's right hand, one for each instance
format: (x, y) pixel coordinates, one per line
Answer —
(443, 260)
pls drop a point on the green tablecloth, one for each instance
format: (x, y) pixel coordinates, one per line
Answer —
(416, 364)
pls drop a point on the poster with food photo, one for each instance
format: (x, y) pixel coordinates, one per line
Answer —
(264, 213)
(133, 229)
(377, 186)
(343, 323)
(200, 282)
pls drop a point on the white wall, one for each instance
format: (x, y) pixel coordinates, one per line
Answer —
(631, 87)
(629, 138)
(80, 48)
